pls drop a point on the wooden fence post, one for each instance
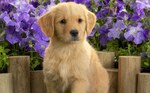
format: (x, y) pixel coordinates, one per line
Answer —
(106, 58)
(6, 83)
(37, 82)
(143, 83)
(19, 66)
(129, 67)
(113, 80)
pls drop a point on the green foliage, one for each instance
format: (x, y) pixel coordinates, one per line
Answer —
(146, 60)
(14, 50)
(3, 51)
(146, 22)
(3, 58)
(93, 41)
(127, 48)
(35, 59)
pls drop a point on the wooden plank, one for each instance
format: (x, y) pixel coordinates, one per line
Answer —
(37, 82)
(143, 83)
(113, 77)
(106, 58)
(38, 86)
(6, 83)
(19, 66)
(129, 67)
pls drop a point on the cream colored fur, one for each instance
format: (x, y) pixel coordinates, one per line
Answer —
(71, 66)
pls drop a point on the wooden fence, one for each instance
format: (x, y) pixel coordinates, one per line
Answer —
(126, 79)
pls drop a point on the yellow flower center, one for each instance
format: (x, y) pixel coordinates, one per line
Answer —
(42, 46)
(117, 29)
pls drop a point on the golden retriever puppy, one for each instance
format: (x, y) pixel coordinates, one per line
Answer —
(70, 64)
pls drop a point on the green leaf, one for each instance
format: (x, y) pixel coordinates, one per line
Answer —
(1, 49)
(146, 64)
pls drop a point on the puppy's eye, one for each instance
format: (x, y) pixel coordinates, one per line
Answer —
(80, 20)
(63, 21)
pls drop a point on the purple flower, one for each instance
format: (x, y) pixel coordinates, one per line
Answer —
(41, 10)
(40, 40)
(116, 30)
(143, 4)
(20, 20)
(120, 6)
(98, 3)
(125, 1)
(143, 54)
(123, 15)
(48, 2)
(16, 16)
(104, 29)
(88, 4)
(103, 13)
(6, 6)
(138, 15)
(5, 17)
(66, 0)
(106, 2)
(40, 47)
(94, 31)
(38, 34)
(52, 2)
(77, 1)
(35, 3)
(24, 7)
(12, 36)
(109, 20)
(103, 39)
(24, 25)
(24, 16)
(27, 43)
(135, 33)
(103, 34)
(133, 5)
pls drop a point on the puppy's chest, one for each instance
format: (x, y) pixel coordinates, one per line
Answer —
(67, 65)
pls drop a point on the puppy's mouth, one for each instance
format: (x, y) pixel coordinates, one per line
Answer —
(74, 39)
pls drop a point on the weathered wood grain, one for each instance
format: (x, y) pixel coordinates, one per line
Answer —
(143, 83)
(106, 58)
(19, 66)
(6, 83)
(37, 82)
(113, 80)
(129, 67)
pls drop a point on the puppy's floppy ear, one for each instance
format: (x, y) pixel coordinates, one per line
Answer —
(46, 23)
(90, 21)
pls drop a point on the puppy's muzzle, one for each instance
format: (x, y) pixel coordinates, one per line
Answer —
(74, 34)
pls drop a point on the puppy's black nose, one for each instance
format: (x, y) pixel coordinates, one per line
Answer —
(74, 33)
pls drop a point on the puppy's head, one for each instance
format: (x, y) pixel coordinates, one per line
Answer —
(67, 22)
